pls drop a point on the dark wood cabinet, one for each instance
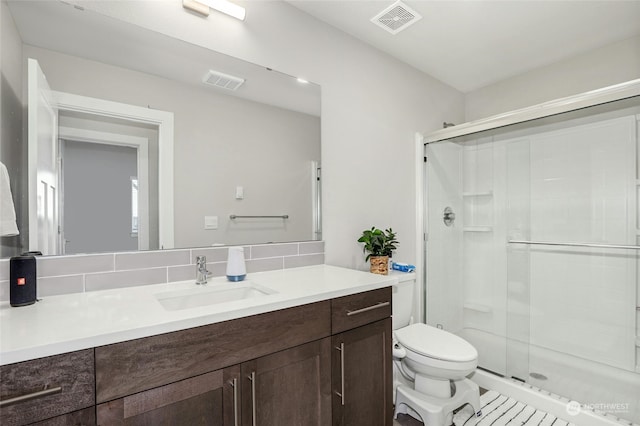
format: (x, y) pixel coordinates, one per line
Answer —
(292, 387)
(276, 365)
(362, 376)
(289, 387)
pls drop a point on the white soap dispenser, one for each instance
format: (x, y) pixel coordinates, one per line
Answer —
(236, 269)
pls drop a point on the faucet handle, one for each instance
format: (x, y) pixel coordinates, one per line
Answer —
(201, 261)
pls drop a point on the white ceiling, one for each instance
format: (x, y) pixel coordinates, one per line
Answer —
(474, 43)
(63, 28)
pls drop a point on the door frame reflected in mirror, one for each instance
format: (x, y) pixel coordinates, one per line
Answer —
(162, 120)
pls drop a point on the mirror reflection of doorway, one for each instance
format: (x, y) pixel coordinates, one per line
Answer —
(99, 212)
(56, 116)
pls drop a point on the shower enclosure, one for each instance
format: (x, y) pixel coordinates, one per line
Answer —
(532, 249)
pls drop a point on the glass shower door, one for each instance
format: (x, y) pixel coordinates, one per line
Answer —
(571, 296)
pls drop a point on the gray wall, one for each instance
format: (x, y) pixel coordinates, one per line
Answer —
(97, 197)
(12, 151)
(271, 147)
(608, 65)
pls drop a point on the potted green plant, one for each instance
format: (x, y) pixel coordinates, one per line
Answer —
(380, 246)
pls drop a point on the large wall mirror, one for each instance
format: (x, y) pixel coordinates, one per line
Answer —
(140, 141)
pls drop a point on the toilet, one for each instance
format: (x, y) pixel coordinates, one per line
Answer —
(430, 365)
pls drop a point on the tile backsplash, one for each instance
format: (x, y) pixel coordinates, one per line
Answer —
(92, 272)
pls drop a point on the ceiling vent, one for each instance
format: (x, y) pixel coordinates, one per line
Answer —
(396, 17)
(223, 81)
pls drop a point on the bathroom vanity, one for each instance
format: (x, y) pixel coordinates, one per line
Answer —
(317, 351)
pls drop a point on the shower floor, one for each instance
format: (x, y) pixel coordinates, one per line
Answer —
(497, 410)
(594, 384)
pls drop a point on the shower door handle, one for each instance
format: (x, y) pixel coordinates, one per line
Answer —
(574, 244)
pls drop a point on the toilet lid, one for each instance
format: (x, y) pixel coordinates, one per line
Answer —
(435, 343)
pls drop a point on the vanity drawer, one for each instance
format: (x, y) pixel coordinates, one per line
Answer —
(70, 385)
(359, 309)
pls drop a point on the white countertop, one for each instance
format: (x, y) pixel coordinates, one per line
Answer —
(71, 322)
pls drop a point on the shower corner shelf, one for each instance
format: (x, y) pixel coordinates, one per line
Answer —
(478, 194)
(478, 307)
(477, 228)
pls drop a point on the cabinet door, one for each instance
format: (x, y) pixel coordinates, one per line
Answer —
(194, 401)
(362, 377)
(292, 387)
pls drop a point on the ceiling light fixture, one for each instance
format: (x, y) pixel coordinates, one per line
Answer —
(224, 6)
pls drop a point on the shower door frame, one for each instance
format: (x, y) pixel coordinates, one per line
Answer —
(570, 104)
(591, 98)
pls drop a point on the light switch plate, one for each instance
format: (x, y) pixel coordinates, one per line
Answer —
(239, 193)
(211, 222)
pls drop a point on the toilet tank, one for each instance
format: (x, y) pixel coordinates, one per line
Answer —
(402, 301)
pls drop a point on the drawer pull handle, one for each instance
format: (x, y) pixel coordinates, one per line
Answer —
(28, 397)
(341, 393)
(368, 308)
(252, 378)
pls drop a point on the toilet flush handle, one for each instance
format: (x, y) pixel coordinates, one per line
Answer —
(398, 351)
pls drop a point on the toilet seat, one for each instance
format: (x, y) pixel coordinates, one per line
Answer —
(435, 343)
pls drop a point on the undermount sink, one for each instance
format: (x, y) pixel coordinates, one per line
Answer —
(206, 295)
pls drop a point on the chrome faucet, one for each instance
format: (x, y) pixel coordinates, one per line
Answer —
(201, 270)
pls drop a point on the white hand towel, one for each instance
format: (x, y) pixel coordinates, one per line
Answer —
(8, 225)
